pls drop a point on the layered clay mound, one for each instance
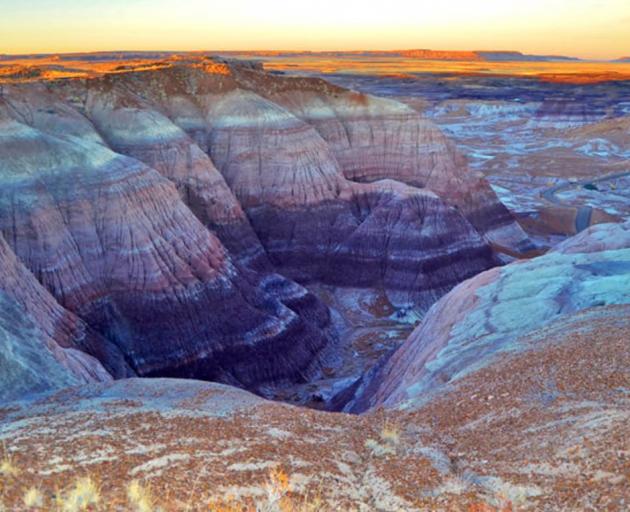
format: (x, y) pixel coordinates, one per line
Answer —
(112, 112)
(544, 428)
(133, 127)
(317, 226)
(314, 224)
(112, 242)
(484, 316)
(565, 113)
(42, 345)
(376, 138)
(107, 111)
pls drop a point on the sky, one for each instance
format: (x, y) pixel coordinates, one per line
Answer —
(597, 29)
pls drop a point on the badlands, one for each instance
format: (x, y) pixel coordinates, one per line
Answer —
(230, 286)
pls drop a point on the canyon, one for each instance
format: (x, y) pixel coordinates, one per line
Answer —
(141, 201)
(385, 292)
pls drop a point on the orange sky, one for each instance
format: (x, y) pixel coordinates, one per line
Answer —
(583, 28)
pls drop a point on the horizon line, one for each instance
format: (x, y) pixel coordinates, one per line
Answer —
(273, 50)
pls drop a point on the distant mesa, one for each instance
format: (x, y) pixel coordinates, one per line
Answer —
(518, 56)
(421, 54)
(490, 56)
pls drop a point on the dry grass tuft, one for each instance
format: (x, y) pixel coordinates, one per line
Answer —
(389, 439)
(390, 433)
(276, 489)
(140, 497)
(33, 498)
(228, 504)
(310, 502)
(379, 449)
(84, 494)
(8, 468)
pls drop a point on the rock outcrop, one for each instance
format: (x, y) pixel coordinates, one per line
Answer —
(484, 316)
(610, 137)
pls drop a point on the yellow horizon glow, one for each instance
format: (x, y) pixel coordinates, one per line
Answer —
(596, 29)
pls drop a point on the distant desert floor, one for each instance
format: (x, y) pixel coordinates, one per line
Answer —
(569, 72)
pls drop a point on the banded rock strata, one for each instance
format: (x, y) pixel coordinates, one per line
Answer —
(376, 138)
(173, 210)
(112, 242)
